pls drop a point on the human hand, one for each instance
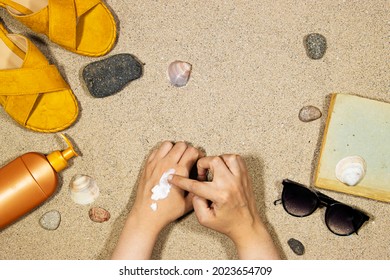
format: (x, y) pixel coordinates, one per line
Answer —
(143, 224)
(180, 157)
(233, 208)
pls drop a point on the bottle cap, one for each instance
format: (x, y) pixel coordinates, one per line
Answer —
(59, 159)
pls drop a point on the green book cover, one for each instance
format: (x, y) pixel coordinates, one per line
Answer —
(356, 126)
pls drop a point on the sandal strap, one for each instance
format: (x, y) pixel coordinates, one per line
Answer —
(58, 20)
(22, 95)
(83, 6)
(62, 22)
(21, 107)
(46, 79)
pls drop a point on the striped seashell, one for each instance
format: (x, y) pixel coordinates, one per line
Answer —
(351, 170)
(179, 73)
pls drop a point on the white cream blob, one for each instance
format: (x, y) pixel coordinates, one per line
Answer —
(162, 189)
(153, 206)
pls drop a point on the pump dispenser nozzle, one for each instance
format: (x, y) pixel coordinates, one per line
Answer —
(59, 160)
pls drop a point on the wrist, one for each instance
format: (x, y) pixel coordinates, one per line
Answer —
(246, 233)
(144, 224)
(137, 239)
(255, 243)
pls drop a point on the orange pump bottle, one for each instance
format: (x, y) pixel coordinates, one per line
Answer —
(29, 180)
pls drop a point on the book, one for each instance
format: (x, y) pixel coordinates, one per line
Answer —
(356, 126)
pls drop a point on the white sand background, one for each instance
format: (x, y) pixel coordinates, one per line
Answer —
(250, 78)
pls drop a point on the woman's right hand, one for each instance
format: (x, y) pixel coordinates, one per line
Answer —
(227, 205)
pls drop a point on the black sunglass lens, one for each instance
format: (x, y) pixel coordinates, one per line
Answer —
(344, 220)
(298, 200)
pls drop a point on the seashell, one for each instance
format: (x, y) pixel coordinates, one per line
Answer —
(309, 113)
(179, 73)
(83, 189)
(50, 220)
(351, 170)
(99, 215)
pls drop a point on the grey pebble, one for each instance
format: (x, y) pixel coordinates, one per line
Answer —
(109, 76)
(309, 113)
(50, 220)
(315, 45)
(296, 246)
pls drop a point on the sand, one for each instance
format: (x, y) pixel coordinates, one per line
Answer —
(250, 78)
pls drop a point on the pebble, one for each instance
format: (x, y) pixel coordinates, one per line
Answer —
(99, 215)
(309, 113)
(109, 76)
(315, 45)
(50, 220)
(296, 246)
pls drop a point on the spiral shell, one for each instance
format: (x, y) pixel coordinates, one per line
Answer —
(351, 170)
(83, 189)
(179, 73)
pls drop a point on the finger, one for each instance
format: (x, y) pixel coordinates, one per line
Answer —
(243, 170)
(242, 163)
(232, 162)
(203, 165)
(176, 152)
(189, 157)
(214, 164)
(163, 150)
(152, 156)
(202, 177)
(203, 189)
(246, 182)
(202, 210)
(188, 206)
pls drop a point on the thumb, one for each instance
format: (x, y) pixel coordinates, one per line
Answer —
(202, 210)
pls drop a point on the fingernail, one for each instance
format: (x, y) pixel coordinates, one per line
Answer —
(170, 177)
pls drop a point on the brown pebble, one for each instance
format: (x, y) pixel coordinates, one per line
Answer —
(99, 215)
(309, 113)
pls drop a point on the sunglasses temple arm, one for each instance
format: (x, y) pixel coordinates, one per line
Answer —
(359, 224)
(278, 201)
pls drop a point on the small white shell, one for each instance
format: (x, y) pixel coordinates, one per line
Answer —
(179, 73)
(351, 170)
(83, 189)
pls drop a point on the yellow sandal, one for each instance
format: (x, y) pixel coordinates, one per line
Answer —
(86, 27)
(33, 92)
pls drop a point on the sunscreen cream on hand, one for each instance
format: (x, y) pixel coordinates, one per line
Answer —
(162, 189)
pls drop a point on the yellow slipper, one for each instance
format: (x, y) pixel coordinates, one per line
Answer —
(86, 27)
(33, 92)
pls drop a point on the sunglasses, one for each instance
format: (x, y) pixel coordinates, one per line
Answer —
(300, 201)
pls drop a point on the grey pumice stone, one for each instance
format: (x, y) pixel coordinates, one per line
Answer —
(315, 45)
(110, 75)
